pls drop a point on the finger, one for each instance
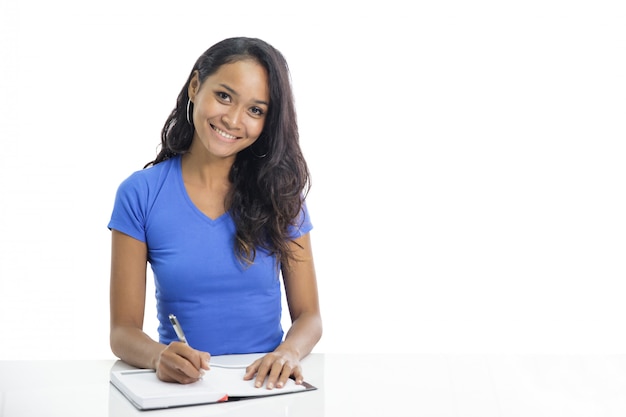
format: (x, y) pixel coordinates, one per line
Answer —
(252, 370)
(185, 379)
(287, 372)
(205, 357)
(182, 363)
(278, 369)
(262, 372)
(199, 359)
(168, 373)
(297, 375)
(189, 362)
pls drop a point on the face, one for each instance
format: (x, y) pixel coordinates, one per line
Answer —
(229, 108)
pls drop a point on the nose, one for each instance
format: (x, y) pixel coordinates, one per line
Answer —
(232, 118)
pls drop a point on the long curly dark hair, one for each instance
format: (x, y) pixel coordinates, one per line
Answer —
(270, 181)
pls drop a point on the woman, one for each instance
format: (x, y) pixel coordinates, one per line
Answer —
(220, 215)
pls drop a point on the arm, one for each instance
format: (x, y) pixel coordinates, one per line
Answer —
(306, 329)
(176, 362)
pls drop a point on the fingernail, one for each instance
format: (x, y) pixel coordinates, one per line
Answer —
(270, 385)
(257, 384)
(279, 385)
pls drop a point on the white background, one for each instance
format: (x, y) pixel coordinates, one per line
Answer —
(468, 164)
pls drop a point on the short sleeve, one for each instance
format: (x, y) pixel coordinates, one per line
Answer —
(129, 208)
(302, 225)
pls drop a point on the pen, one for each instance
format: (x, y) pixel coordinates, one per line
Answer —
(178, 329)
(181, 335)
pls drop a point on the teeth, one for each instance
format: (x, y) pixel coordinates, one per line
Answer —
(226, 135)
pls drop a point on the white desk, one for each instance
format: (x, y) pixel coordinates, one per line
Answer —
(352, 385)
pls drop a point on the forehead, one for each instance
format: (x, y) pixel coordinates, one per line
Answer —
(246, 77)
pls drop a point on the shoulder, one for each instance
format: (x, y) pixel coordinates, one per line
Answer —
(137, 195)
(146, 179)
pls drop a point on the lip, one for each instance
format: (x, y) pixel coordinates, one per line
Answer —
(224, 135)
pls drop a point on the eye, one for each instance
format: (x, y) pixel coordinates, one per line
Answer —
(257, 111)
(222, 96)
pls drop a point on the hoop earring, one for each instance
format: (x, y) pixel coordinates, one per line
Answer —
(188, 106)
(255, 155)
(258, 156)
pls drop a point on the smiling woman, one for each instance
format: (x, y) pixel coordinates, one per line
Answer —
(228, 114)
(220, 223)
(229, 108)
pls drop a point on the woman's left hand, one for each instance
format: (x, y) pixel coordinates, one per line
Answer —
(277, 367)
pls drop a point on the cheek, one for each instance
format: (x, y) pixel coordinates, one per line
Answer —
(205, 109)
(256, 128)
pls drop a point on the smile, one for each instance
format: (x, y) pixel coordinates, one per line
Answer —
(222, 133)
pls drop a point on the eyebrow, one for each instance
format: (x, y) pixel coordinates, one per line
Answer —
(233, 92)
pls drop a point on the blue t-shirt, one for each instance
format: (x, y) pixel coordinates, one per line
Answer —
(223, 306)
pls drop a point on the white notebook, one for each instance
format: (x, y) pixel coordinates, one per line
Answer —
(224, 382)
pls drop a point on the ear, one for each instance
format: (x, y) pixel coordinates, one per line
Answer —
(194, 86)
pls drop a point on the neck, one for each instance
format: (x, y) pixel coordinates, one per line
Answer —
(206, 172)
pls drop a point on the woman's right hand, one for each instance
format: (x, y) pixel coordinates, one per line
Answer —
(181, 363)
